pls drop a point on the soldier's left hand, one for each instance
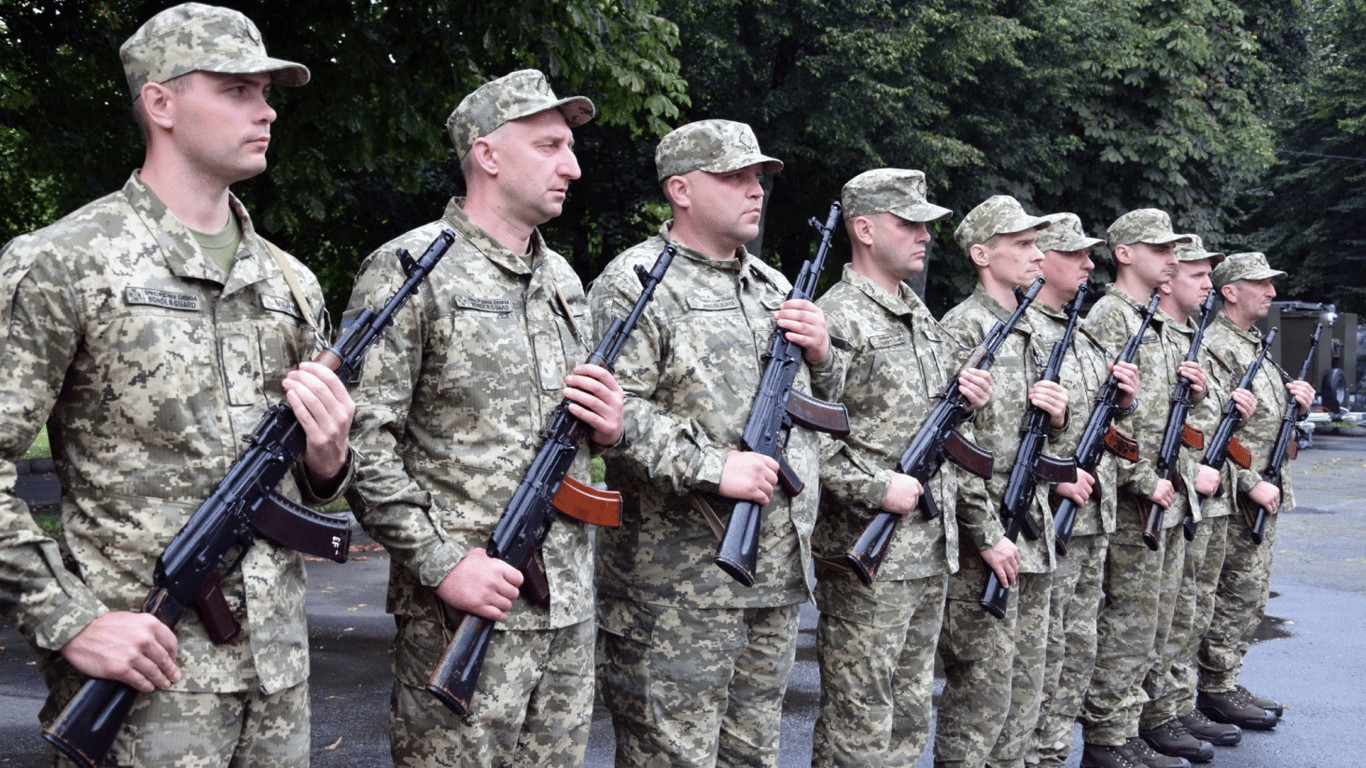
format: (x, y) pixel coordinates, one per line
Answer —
(805, 326)
(1245, 402)
(1126, 376)
(1079, 491)
(1052, 398)
(1266, 496)
(324, 409)
(975, 385)
(1304, 394)
(1193, 373)
(596, 398)
(1207, 480)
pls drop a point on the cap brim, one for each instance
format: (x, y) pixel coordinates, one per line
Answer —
(771, 164)
(1171, 239)
(922, 213)
(1024, 222)
(287, 73)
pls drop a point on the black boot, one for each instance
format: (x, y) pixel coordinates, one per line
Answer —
(1172, 739)
(1205, 729)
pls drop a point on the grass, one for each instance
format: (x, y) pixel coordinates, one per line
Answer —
(40, 448)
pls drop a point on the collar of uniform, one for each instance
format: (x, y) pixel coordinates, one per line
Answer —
(999, 310)
(741, 262)
(904, 303)
(1252, 335)
(184, 257)
(1160, 318)
(493, 250)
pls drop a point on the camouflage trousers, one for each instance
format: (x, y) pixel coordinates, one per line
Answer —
(1239, 604)
(1164, 651)
(1073, 607)
(248, 729)
(533, 705)
(993, 669)
(1130, 627)
(875, 647)
(695, 687)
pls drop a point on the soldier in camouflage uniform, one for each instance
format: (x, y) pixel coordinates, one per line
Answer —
(1140, 585)
(1076, 590)
(875, 644)
(994, 667)
(692, 664)
(1245, 282)
(453, 399)
(151, 329)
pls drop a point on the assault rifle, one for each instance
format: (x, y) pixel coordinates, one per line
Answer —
(1099, 434)
(1223, 445)
(1178, 433)
(1285, 445)
(242, 506)
(1032, 465)
(777, 407)
(526, 519)
(937, 440)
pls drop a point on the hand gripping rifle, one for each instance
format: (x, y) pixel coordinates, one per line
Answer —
(937, 440)
(1032, 465)
(1285, 445)
(1178, 433)
(1223, 445)
(1099, 434)
(777, 407)
(527, 518)
(242, 506)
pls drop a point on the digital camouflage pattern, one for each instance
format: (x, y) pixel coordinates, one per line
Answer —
(1145, 225)
(194, 36)
(1065, 234)
(714, 146)
(520, 94)
(1194, 250)
(151, 367)
(891, 190)
(1243, 266)
(997, 215)
(875, 644)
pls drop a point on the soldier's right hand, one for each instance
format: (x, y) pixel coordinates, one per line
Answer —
(1164, 494)
(903, 493)
(1079, 491)
(1266, 496)
(482, 585)
(132, 648)
(1004, 558)
(749, 476)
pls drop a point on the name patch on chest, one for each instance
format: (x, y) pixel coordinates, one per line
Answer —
(887, 340)
(153, 297)
(277, 304)
(502, 306)
(713, 305)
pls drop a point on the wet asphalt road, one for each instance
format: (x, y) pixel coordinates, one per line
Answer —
(1310, 653)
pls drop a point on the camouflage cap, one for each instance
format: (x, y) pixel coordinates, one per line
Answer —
(714, 146)
(890, 190)
(1145, 225)
(520, 94)
(1065, 234)
(997, 215)
(1243, 266)
(195, 37)
(1195, 251)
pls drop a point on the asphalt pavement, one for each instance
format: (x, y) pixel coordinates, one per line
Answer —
(1309, 654)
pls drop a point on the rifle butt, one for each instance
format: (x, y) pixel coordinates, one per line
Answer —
(996, 596)
(457, 674)
(86, 728)
(1258, 529)
(866, 554)
(1152, 531)
(738, 554)
(1064, 520)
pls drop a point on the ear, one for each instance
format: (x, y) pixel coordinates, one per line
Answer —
(1230, 293)
(979, 256)
(861, 230)
(1123, 255)
(678, 190)
(485, 156)
(158, 104)
(1165, 288)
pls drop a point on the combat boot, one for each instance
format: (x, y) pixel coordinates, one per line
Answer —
(1235, 707)
(1143, 754)
(1102, 756)
(1274, 707)
(1172, 739)
(1205, 729)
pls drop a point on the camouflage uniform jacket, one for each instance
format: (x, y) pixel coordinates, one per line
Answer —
(1206, 415)
(1113, 319)
(1085, 370)
(898, 361)
(690, 372)
(451, 406)
(151, 367)
(1233, 350)
(1019, 363)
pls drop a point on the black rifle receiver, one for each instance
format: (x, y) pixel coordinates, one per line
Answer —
(1285, 445)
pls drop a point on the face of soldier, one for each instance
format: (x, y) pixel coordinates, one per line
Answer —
(728, 205)
(536, 162)
(1065, 272)
(1189, 286)
(1154, 264)
(899, 246)
(1252, 298)
(221, 124)
(1014, 259)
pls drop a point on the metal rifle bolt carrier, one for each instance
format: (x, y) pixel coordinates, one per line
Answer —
(1032, 465)
(1285, 445)
(777, 407)
(242, 506)
(1178, 433)
(1099, 434)
(937, 440)
(529, 514)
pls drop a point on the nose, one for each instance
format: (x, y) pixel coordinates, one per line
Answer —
(570, 167)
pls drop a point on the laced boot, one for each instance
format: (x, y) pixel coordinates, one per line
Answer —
(1270, 705)
(1205, 729)
(1172, 739)
(1236, 708)
(1103, 756)
(1143, 754)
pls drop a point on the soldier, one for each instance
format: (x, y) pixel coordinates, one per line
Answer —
(1244, 281)
(452, 401)
(994, 667)
(1140, 585)
(1076, 589)
(151, 329)
(692, 664)
(875, 644)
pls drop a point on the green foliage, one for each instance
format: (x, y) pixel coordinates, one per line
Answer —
(40, 449)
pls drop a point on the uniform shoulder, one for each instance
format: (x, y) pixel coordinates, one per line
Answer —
(100, 223)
